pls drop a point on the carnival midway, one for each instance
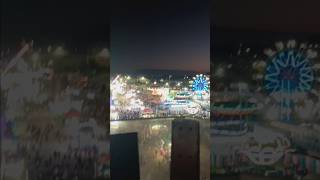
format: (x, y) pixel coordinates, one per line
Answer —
(268, 125)
(141, 97)
(54, 112)
(147, 105)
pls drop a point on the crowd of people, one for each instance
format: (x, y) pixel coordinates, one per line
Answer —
(133, 115)
(67, 94)
(63, 166)
(129, 114)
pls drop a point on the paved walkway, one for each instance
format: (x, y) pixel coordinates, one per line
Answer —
(152, 133)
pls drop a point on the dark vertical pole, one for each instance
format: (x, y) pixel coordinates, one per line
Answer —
(124, 164)
(185, 158)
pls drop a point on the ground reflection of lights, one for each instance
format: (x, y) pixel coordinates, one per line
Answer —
(114, 125)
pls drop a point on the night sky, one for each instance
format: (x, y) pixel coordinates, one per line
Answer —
(270, 15)
(76, 24)
(258, 24)
(159, 34)
(171, 35)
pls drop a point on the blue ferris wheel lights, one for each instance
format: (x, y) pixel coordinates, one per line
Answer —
(200, 84)
(289, 72)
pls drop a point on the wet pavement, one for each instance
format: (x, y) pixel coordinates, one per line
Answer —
(154, 137)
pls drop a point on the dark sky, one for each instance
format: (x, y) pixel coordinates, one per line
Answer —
(227, 41)
(258, 24)
(77, 24)
(160, 34)
(271, 15)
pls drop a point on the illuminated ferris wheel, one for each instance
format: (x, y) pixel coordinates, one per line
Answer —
(289, 71)
(200, 84)
(287, 75)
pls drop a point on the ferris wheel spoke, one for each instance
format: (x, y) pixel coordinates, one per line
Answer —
(275, 66)
(305, 71)
(271, 79)
(292, 56)
(304, 63)
(282, 60)
(305, 85)
(306, 78)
